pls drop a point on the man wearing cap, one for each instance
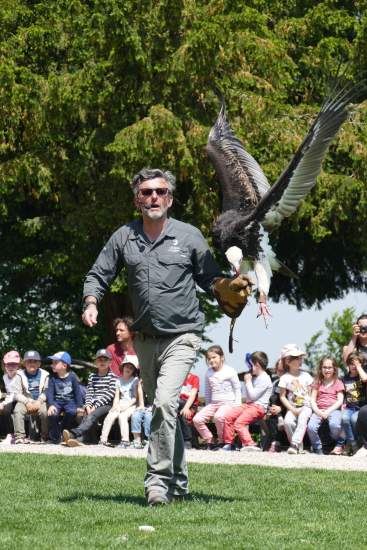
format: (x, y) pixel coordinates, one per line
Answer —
(165, 259)
(12, 383)
(63, 395)
(31, 400)
(101, 391)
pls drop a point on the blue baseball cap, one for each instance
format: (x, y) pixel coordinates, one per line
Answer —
(63, 356)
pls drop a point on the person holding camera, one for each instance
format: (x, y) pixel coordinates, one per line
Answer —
(257, 390)
(358, 342)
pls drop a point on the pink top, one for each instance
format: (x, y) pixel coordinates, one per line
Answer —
(327, 395)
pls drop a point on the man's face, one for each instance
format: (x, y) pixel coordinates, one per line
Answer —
(154, 195)
(122, 333)
(32, 366)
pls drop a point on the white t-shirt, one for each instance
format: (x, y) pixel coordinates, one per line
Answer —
(127, 389)
(297, 388)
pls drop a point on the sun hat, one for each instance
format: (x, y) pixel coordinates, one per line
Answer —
(291, 350)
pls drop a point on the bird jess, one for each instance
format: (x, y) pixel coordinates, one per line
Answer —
(251, 209)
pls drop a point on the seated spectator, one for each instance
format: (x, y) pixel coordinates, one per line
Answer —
(188, 403)
(256, 393)
(358, 342)
(13, 385)
(124, 403)
(327, 397)
(274, 416)
(141, 419)
(124, 344)
(63, 396)
(101, 391)
(31, 400)
(294, 388)
(222, 391)
(355, 398)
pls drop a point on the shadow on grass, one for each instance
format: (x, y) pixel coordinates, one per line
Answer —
(140, 501)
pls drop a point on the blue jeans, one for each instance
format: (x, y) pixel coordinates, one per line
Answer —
(141, 418)
(349, 423)
(55, 426)
(334, 421)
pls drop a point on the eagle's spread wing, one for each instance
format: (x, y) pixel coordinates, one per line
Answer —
(300, 176)
(242, 180)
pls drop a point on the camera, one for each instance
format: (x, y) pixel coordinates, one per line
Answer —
(363, 329)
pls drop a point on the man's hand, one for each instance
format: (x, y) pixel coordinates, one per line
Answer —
(232, 294)
(90, 315)
(51, 410)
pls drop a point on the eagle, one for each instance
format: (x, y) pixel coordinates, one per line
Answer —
(251, 208)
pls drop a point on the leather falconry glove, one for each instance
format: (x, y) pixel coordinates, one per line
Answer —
(232, 294)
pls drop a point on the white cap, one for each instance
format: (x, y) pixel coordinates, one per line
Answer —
(291, 350)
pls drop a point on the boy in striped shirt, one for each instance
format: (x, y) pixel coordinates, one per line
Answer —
(98, 401)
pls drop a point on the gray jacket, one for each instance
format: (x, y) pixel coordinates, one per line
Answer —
(161, 275)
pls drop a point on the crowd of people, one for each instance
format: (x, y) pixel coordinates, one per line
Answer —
(256, 410)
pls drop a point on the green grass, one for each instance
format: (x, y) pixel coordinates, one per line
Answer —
(80, 502)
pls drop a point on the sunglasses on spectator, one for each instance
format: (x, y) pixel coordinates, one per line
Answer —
(161, 192)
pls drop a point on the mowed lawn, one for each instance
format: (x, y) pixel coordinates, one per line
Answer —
(81, 502)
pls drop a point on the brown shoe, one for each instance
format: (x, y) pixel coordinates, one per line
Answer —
(74, 443)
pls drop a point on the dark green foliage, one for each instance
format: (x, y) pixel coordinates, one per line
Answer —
(92, 91)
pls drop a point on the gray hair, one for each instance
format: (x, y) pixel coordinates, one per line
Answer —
(151, 173)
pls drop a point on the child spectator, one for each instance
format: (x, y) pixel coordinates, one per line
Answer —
(31, 400)
(355, 398)
(188, 402)
(63, 395)
(294, 388)
(274, 415)
(124, 403)
(13, 385)
(257, 391)
(101, 391)
(326, 400)
(222, 391)
(141, 419)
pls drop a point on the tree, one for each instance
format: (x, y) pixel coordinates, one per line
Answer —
(92, 91)
(339, 332)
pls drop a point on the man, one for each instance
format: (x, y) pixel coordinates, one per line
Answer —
(101, 391)
(165, 259)
(124, 343)
(358, 342)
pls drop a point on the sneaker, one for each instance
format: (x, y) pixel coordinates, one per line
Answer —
(215, 446)
(9, 440)
(293, 449)
(104, 443)
(123, 445)
(73, 442)
(67, 435)
(137, 445)
(338, 450)
(274, 447)
(228, 447)
(22, 441)
(318, 451)
(250, 449)
(157, 497)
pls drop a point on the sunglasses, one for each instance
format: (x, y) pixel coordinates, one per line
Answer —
(161, 192)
